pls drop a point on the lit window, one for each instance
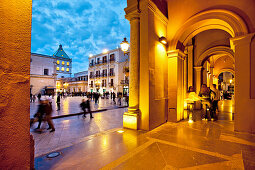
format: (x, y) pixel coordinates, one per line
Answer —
(57, 61)
(62, 69)
(67, 63)
(63, 63)
(67, 69)
(57, 68)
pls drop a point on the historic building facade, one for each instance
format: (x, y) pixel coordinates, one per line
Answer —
(45, 70)
(108, 72)
(76, 84)
(63, 63)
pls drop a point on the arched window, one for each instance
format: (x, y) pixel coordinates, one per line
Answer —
(57, 68)
(63, 69)
(63, 63)
(57, 61)
(67, 69)
(67, 63)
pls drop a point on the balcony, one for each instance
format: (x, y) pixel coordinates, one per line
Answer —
(124, 82)
(98, 62)
(112, 59)
(97, 75)
(104, 75)
(91, 64)
(104, 61)
(111, 74)
(110, 84)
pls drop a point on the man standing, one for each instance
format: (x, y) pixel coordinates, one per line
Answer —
(216, 99)
(58, 102)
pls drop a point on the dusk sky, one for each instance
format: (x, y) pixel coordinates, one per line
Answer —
(83, 27)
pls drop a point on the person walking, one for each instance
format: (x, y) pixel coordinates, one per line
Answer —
(85, 105)
(31, 97)
(113, 97)
(48, 113)
(58, 102)
(40, 113)
(34, 98)
(39, 96)
(119, 98)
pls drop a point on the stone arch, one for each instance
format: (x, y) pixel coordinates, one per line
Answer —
(212, 51)
(211, 19)
(225, 70)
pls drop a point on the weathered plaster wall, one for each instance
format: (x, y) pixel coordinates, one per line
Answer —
(15, 41)
(39, 82)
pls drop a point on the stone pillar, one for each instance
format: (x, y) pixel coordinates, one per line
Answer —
(130, 118)
(198, 70)
(244, 104)
(190, 66)
(175, 85)
(15, 52)
(211, 77)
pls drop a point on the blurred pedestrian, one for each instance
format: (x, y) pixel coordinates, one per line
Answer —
(113, 97)
(58, 102)
(34, 98)
(48, 113)
(39, 96)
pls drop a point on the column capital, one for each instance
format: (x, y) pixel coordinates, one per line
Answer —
(132, 12)
(176, 53)
(198, 68)
(244, 39)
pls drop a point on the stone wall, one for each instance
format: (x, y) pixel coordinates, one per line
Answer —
(15, 42)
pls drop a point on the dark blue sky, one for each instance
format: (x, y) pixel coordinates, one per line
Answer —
(83, 27)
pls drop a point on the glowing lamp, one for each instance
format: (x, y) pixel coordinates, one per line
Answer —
(231, 81)
(90, 55)
(124, 45)
(163, 40)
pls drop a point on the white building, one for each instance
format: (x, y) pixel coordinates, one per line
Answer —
(46, 69)
(79, 83)
(108, 72)
(42, 74)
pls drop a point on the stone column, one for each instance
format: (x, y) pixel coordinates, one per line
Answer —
(130, 118)
(211, 77)
(198, 70)
(190, 66)
(15, 48)
(244, 103)
(175, 85)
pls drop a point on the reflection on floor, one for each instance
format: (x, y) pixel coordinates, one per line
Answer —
(183, 145)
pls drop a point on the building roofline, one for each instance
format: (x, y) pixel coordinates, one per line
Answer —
(110, 51)
(42, 55)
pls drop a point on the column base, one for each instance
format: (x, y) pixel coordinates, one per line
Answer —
(130, 119)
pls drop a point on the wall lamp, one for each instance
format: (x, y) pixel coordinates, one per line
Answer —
(163, 40)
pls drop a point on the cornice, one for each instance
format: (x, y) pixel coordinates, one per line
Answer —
(176, 53)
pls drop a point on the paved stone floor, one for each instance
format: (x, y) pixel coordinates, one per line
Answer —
(198, 145)
(71, 130)
(71, 105)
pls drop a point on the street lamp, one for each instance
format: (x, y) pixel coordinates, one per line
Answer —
(124, 45)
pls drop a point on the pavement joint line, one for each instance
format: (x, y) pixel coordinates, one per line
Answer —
(215, 154)
(81, 113)
(230, 138)
(125, 157)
